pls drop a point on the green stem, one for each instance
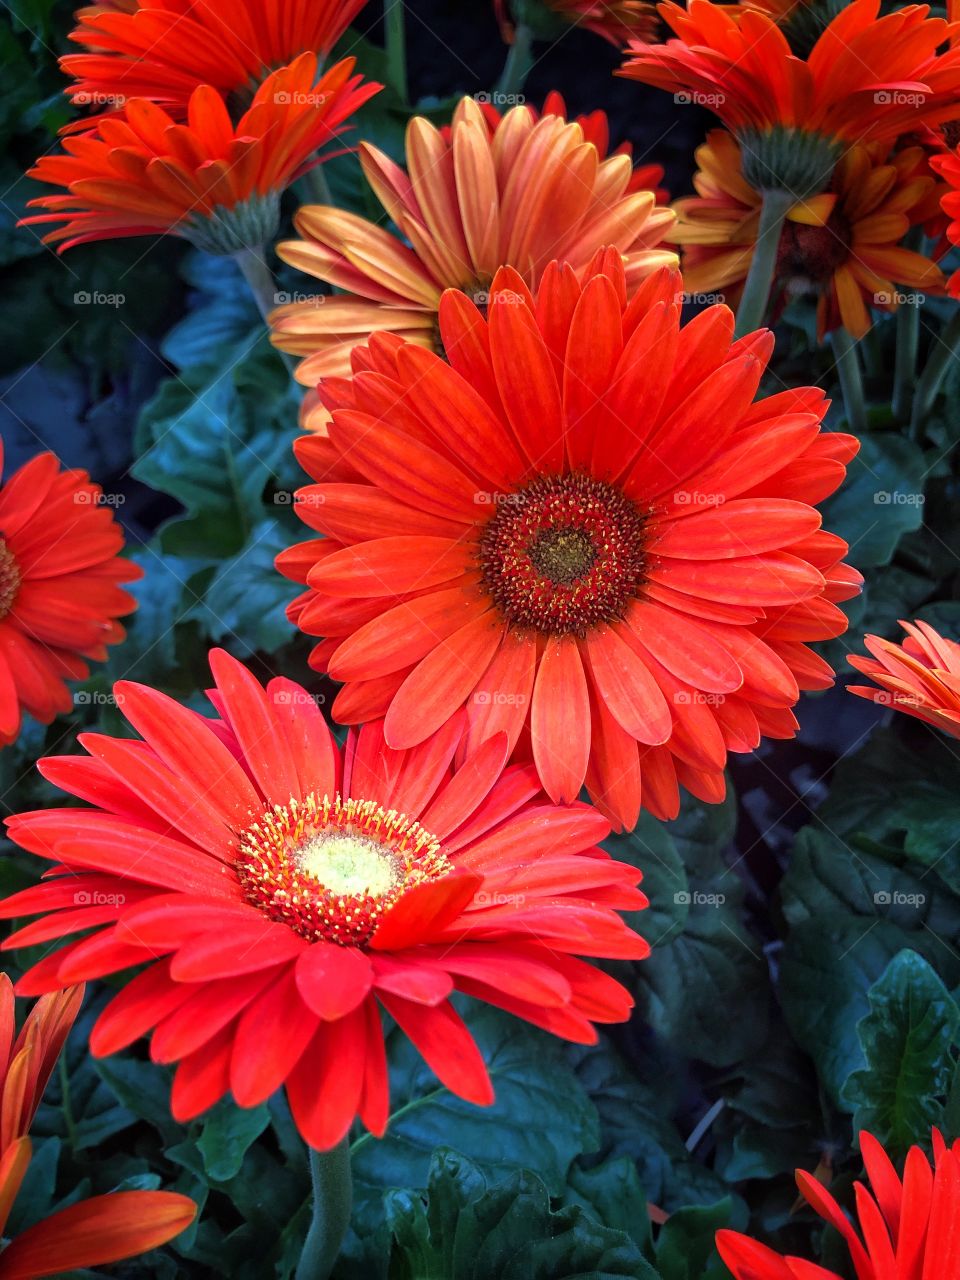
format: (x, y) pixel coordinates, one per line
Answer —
(253, 264)
(944, 351)
(332, 1204)
(905, 360)
(756, 291)
(519, 63)
(851, 380)
(66, 1105)
(316, 186)
(396, 44)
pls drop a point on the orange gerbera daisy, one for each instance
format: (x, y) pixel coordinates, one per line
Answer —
(60, 593)
(844, 245)
(909, 1230)
(163, 50)
(208, 180)
(527, 192)
(280, 891)
(921, 677)
(616, 20)
(582, 529)
(95, 1231)
(866, 78)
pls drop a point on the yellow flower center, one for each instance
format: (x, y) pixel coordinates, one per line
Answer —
(331, 868)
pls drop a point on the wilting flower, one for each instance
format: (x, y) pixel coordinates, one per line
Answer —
(947, 166)
(59, 588)
(908, 1230)
(163, 50)
(616, 20)
(920, 677)
(844, 246)
(93, 1232)
(867, 78)
(280, 890)
(208, 180)
(468, 203)
(583, 529)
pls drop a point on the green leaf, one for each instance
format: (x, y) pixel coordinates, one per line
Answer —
(907, 1038)
(228, 1132)
(613, 1194)
(881, 500)
(473, 1228)
(246, 599)
(685, 1244)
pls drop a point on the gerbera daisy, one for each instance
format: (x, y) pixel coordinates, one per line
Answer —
(163, 49)
(522, 194)
(212, 182)
(866, 78)
(93, 1232)
(279, 891)
(947, 166)
(920, 677)
(845, 245)
(582, 529)
(909, 1230)
(60, 593)
(616, 20)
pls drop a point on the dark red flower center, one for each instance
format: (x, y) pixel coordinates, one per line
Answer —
(565, 554)
(814, 253)
(9, 579)
(330, 869)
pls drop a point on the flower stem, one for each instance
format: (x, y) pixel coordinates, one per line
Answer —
(316, 186)
(253, 264)
(396, 45)
(945, 349)
(332, 1203)
(519, 63)
(756, 291)
(905, 364)
(851, 380)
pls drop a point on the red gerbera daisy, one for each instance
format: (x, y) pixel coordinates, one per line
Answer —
(909, 1230)
(866, 78)
(59, 588)
(279, 892)
(920, 677)
(582, 529)
(210, 181)
(95, 1231)
(163, 49)
(948, 167)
